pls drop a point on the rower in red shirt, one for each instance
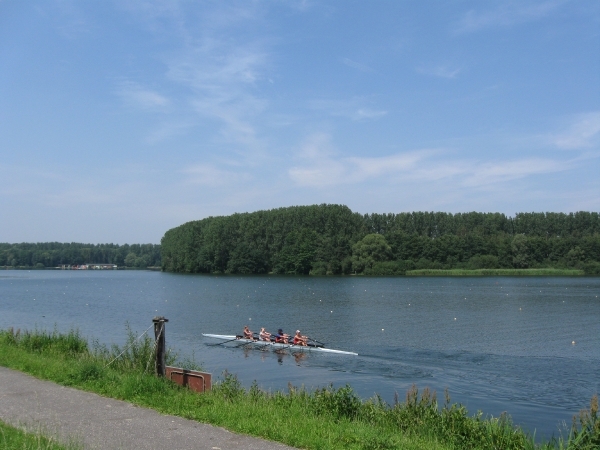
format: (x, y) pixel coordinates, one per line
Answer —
(299, 339)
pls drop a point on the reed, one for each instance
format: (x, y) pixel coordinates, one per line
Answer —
(323, 418)
(495, 272)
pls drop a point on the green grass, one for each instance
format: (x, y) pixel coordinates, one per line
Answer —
(13, 438)
(327, 418)
(494, 272)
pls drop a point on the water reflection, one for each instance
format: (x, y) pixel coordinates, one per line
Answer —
(299, 357)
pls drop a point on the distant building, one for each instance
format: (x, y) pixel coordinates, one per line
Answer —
(89, 266)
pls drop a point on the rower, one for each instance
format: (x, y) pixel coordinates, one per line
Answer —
(264, 335)
(281, 337)
(247, 333)
(299, 339)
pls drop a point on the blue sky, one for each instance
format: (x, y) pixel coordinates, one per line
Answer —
(120, 120)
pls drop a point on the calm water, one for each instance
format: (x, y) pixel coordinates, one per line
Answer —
(498, 344)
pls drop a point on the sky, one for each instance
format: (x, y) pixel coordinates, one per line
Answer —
(122, 119)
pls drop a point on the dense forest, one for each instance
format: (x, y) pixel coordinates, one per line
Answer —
(53, 254)
(331, 239)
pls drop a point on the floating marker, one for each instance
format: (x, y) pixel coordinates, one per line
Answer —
(573, 343)
(382, 329)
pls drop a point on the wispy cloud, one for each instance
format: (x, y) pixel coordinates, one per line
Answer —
(221, 76)
(64, 187)
(366, 113)
(356, 65)
(72, 22)
(354, 109)
(211, 175)
(583, 132)
(487, 173)
(507, 14)
(442, 71)
(217, 68)
(135, 95)
(361, 168)
(321, 167)
(166, 130)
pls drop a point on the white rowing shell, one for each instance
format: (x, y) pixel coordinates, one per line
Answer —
(278, 345)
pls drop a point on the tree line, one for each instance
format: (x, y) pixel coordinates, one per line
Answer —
(53, 254)
(331, 239)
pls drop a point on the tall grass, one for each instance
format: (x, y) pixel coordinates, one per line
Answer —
(323, 418)
(494, 272)
(40, 341)
(13, 438)
(136, 355)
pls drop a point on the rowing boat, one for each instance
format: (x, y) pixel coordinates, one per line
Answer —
(277, 345)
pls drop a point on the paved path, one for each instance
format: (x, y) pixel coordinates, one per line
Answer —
(105, 423)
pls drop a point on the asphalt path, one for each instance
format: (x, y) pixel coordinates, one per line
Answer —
(104, 423)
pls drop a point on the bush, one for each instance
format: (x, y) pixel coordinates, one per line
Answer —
(387, 268)
(483, 262)
(319, 268)
(591, 268)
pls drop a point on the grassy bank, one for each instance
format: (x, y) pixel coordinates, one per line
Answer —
(12, 438)
(495, 272)
(320, 419)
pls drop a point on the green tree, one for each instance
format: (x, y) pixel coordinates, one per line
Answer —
(297, 255)
(575, 257)
(520, 251)
(369, 250)
(483, 262)
(130, 259)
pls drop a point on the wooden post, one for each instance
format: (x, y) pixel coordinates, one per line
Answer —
(159, 335)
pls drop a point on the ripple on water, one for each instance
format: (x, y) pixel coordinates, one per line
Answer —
(509, 349)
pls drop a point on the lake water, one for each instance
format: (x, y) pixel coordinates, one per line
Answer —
(527, 346)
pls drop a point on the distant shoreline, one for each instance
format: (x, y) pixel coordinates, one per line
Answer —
(151, 268)
(494, 272)
(539, 272)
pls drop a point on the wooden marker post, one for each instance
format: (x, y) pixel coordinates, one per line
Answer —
(159, 354)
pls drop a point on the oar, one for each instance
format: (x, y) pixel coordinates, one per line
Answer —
(221, 343)
(314, 340)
